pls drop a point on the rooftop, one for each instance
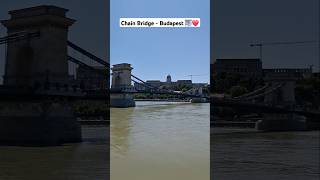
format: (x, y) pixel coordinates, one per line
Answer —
(239, 59)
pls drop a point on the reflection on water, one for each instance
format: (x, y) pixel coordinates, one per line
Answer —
(157, 140)
(242, 154)
(81, 161)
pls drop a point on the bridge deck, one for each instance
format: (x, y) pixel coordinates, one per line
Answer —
(261, 108)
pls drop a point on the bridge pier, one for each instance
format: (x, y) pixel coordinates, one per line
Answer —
(41, 123)
(122, 100)
(198, 100)
(282, 122)
(121, 83)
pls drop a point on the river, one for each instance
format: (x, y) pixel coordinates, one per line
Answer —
(160, 140)
(242, 154)
(79, 161)
(168, 141)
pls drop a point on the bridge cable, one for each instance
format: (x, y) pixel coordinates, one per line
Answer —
(88, 54)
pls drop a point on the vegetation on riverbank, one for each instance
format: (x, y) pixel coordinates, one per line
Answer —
(234, 85)
(308, 93)
(92, 110)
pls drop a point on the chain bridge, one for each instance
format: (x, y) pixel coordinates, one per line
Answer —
(275, 101)
(42, 85)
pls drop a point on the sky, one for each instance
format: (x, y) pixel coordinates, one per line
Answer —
(156, 52)
(236, 24)
(90, 31)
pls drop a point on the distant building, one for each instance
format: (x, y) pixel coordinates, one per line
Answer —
(184, 83)
(244, 67)
(168, 79)
(168, 84)
(92, 78)
(298, 72)
(139, 86)
(253, 68)
(154, 83)
(197, 85)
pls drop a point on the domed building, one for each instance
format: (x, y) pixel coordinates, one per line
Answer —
(168, 84)
(168, 79)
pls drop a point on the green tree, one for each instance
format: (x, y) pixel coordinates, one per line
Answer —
(238, 91)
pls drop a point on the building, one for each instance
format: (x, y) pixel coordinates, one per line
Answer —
(187, 83)
(253, 68)
(169, 84)
(154, 83)
(168, 79)
(298, 72)
(197, 85)
(139, 86)
(243, 67)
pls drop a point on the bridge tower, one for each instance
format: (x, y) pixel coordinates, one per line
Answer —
(121, 85)
(283, 81)
(285, 93)
(37, 117)
(37, 59)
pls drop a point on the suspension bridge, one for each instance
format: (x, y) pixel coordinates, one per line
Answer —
(41, 86)
(41, 89)
(275, 101)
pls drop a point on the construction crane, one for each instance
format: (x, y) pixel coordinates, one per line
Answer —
(260, 45)
(192, 75)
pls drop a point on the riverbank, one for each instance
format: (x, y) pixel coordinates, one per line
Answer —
(94, 122)
(310, 126)
(164, 100)
(239, 124)
(231, 130)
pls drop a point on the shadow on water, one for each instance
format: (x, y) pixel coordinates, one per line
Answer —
(268, 155)
(79, 161)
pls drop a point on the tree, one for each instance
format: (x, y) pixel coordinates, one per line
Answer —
(236, 91)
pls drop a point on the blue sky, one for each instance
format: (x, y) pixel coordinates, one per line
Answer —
(156, 52)
(238, 23)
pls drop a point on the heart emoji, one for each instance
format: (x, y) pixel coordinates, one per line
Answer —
(195, 22)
